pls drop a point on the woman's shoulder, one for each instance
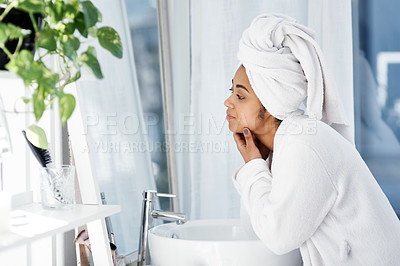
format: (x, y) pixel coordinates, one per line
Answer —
(304, 132)
(303, 127)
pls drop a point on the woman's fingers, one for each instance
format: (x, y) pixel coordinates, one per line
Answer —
(240, 142)
(246, 146)
(249, 138)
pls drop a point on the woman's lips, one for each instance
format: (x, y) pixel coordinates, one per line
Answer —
(229, 117)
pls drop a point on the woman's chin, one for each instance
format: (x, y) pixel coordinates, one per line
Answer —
(235, 129)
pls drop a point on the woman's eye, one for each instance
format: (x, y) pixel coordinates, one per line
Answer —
(239, 97)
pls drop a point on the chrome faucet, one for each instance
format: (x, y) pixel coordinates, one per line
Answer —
(149, 197)
(179, 218)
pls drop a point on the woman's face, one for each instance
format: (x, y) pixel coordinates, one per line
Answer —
(243, 105)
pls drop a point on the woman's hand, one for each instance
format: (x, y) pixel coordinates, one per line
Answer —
(247, 146)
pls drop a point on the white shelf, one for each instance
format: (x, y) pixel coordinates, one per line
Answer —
(31, 221)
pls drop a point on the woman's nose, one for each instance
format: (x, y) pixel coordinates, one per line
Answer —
(228, 103)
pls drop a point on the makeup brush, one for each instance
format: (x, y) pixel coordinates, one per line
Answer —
(44, 158)
(42, 155)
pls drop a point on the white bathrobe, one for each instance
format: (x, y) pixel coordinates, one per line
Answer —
(317, 194)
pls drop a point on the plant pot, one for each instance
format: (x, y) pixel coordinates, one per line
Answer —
(21, 19)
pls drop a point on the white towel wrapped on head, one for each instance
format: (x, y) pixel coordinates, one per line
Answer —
(284, 65)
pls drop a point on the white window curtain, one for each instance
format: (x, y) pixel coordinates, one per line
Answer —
(116, 133)
(206, 167)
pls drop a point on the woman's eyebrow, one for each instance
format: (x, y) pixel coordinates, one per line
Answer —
(242, 87)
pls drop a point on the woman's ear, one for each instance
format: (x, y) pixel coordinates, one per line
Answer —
(262, 112)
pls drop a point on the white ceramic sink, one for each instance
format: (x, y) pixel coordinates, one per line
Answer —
(212, 243)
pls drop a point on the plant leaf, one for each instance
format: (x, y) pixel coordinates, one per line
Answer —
(56, 11)
(66, 105)
(110, 40)
(38, 102)
(25, 67)
(90, 61)
(69, 28)
(70, 44)
(9, 32)
(47, 39)
(26, 100)
(93, 31)
(32, 71)
(48, 80)
(71, 9)
(80, 24)
(37, 136)
(32, 6)
(91, 13)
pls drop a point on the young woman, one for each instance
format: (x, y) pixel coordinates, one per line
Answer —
(303, 184)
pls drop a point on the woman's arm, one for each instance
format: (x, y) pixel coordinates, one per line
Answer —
(286, 209)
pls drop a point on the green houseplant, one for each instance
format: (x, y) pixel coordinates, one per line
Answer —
(65, 25)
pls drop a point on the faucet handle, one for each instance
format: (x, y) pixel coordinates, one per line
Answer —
(150, 195)
(165, 195)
